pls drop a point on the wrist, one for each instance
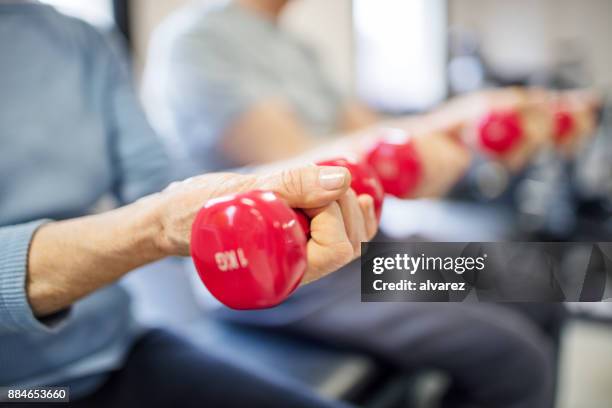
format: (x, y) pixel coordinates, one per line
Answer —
(72, 258)
(146, 228)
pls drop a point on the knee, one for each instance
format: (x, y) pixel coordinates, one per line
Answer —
(524, 362)
(531, 363)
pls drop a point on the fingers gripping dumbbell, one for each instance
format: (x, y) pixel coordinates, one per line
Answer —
(364, 179)
(250, 249)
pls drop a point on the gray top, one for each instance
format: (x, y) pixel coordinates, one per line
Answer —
(71, 132)
(209, 64)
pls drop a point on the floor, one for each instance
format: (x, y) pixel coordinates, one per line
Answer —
(586, 366)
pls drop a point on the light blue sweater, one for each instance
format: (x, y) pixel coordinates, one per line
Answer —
(211, 62)
(71, 132)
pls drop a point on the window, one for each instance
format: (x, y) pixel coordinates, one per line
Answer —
(96, 12)
(400, 53)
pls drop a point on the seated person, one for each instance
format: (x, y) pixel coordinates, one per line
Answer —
(246, 81)
(71, 133)
(237, 89)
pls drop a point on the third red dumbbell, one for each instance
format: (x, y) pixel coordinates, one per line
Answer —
(564, 123)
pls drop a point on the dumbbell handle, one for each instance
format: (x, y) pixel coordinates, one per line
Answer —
(303, 220)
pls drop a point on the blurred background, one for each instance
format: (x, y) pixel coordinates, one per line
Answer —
(407, 56)
(357, 39)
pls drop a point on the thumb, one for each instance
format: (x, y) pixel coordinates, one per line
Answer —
(307, 187)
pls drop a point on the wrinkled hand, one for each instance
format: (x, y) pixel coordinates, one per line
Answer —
(340, 220)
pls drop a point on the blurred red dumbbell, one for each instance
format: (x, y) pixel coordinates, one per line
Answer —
(396, 162)
(500, 131)
(364, 180)
(564, 123)
(250, 249)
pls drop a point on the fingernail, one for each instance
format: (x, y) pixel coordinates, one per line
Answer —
(332, 178)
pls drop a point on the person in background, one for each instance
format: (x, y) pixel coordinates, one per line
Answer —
(263, 89)
(71, 133)
(237, 89)
(227, 83)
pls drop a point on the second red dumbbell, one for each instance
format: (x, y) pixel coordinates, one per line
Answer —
(396, 162)
(364, 180)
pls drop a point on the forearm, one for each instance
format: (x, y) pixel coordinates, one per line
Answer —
(354, 143)
(357, 116)
(70, 259)
(267, 132)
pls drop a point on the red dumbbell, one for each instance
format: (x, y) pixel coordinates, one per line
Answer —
(250, 249)
(396, 162)
(364, 180)
(500, 131)
(564, 124)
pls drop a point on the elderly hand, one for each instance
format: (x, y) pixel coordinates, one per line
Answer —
(340, 220)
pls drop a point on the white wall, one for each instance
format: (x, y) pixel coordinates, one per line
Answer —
(146, 15)
(527, 33)
(327, 25)
(323, 23)
(515, 33)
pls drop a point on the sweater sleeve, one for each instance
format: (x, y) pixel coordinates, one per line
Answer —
(141, 160)
(15, 311)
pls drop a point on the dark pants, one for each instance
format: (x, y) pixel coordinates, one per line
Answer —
(164, 370)
(498, 356)
(495, 358)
